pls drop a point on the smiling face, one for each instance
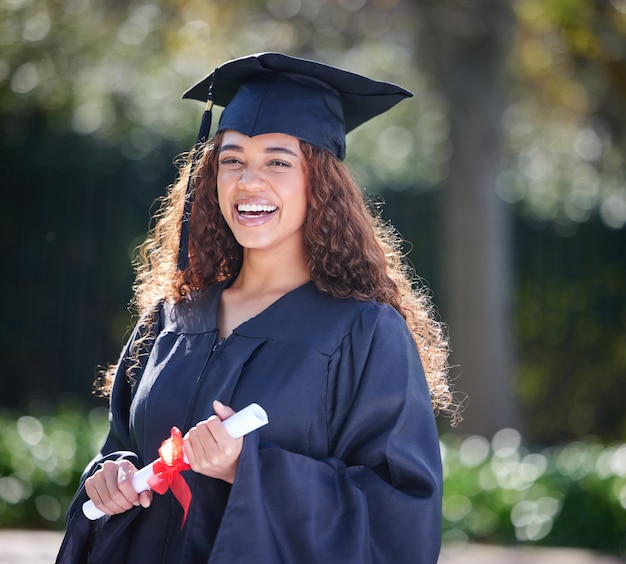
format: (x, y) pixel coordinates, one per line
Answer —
(262, 190)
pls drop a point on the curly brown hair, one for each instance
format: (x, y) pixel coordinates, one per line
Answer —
(351, 253)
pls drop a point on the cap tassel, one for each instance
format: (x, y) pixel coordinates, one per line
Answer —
(203, 135)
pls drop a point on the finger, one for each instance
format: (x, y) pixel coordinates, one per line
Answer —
(94, 495)
(125, 472)
(98, 491)
(211, 450)
(190, 455)
(117, 502)
(145, 499)
(219, 433)
(222, 411)
(214, 447)
(202, 440)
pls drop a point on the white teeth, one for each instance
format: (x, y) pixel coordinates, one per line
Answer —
(242, 208)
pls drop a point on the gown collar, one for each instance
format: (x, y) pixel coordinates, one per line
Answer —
(198, 313)
(303, 316)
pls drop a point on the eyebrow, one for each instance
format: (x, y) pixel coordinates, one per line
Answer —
(238, 148)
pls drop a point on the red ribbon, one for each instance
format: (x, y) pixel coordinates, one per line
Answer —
(166, 471)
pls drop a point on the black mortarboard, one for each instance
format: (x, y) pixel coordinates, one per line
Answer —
(276, 93)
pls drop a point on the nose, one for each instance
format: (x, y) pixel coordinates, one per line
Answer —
(251, 179)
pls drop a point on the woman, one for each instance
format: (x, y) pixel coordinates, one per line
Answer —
(286, 292)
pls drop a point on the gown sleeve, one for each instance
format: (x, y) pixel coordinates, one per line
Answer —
(377, 497)
(117, 445)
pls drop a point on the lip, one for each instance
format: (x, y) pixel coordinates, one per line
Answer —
(253, 221)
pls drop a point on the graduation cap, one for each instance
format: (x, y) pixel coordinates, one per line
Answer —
(276, 93)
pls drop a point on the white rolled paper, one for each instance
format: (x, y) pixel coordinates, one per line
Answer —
(241, 423)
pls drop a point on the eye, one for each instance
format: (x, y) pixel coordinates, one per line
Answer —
(280, 163)
(229, 161)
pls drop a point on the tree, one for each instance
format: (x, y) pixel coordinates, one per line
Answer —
(466, 52)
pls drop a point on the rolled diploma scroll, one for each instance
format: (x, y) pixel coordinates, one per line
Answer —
(241, 423)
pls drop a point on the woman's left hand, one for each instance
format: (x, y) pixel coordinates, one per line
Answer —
(209, 448)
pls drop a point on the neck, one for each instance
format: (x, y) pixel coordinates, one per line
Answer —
(263, 273)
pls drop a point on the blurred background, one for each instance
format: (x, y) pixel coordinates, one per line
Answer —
(505, 174)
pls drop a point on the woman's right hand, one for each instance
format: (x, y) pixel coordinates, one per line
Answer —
(111, 488)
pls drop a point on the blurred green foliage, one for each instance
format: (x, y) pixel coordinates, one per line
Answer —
(564, 128)
(496, 491)
(42, 455)
(500, 492)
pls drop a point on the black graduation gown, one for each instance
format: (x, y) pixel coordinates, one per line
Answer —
(348, 469)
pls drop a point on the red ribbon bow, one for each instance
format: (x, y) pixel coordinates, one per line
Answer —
(166, 471)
